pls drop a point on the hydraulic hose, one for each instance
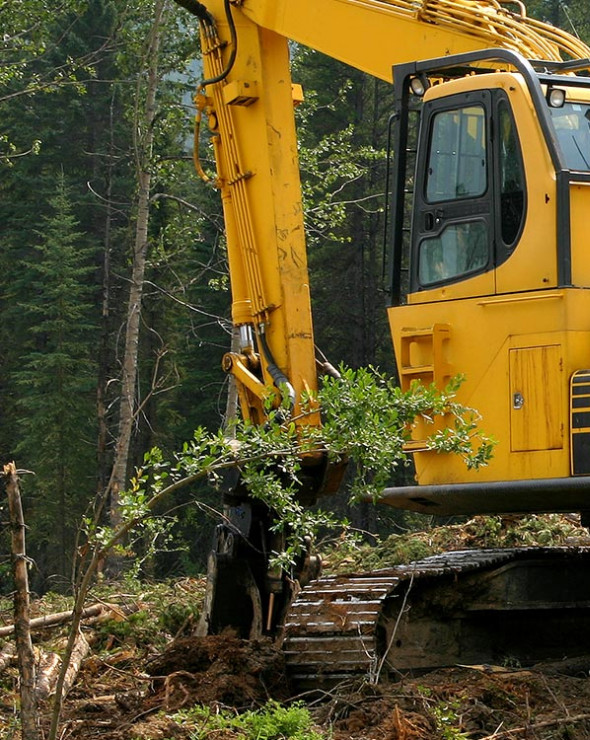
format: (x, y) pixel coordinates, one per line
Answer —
(201, 12)
(280, 380)
(198, 9)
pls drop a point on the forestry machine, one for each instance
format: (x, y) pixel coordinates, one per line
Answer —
(492, 131)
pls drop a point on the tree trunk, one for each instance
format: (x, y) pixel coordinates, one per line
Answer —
(231, 404)
(22, 630)
(143, 151)
(105, 321)
(144, 133)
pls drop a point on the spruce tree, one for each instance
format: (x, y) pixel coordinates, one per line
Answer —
(56, 384)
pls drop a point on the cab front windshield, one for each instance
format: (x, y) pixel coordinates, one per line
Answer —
(572, 126)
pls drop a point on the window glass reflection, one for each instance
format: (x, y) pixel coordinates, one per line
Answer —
(457, 166)
(572, 126)
(459, 249)
(511, 177)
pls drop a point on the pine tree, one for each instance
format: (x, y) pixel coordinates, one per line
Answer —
(56, 384)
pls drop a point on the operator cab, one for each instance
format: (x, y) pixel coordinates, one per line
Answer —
(498, 273)
(470, 205)
(471, 181)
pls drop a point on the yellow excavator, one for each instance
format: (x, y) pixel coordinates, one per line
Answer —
(498, 271)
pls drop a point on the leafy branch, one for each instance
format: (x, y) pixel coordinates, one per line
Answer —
(368, 419)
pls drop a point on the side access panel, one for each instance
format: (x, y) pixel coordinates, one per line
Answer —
(535, 392)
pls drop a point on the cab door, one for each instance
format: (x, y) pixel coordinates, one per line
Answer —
(453, 227)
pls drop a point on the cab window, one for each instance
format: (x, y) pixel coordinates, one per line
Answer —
(512, 185)
(572, 126)
(457, 166)
(460, 249)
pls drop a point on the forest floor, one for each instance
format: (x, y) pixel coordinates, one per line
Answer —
(147, 677)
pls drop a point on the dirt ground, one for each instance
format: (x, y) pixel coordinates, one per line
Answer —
(123, 697)
(146, 668)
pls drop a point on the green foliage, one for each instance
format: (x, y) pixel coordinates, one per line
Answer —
(367, 420)
(86, 128)
(166, 608)
(29, 66)
(178, 616)
(271, 722)
(536, 530)
(139, 629)
(430, 539)
(331, 169)
(55, 380)
(150, 628)
(571, 16)
(447, 720)
(338, 155)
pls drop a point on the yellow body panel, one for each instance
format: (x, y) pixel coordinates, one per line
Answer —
(535, 393)
(580, 232)
(528, 343)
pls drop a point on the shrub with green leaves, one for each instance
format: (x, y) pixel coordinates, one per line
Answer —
(368, 420)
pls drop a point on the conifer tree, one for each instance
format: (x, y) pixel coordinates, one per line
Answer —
(56, 383)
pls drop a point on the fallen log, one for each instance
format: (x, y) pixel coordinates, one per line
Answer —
(47, 675)
(80, 651)
(51, 664)
(96, 611)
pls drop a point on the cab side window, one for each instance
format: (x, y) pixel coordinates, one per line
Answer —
(512, 187)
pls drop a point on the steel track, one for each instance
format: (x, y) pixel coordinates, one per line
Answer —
(331, 630)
